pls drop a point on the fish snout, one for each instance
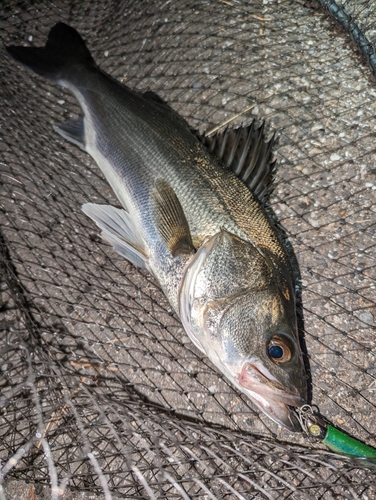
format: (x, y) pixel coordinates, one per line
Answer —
(270, 395)
(255, 374)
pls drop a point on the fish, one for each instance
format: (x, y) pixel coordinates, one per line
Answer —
(193, 214)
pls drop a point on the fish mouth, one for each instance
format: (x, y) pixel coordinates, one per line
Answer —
(270, 395)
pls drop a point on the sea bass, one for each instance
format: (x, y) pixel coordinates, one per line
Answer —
(192, 215)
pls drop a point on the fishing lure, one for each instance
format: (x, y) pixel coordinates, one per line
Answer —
(315, 426)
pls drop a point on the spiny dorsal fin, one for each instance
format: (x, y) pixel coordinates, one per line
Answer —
(246, 153)
(170, 220)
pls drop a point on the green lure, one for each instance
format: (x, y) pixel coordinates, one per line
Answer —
(339, 442)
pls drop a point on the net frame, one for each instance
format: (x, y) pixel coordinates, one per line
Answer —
(61, 367)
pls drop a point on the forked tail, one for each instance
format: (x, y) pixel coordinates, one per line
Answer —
(64, 50)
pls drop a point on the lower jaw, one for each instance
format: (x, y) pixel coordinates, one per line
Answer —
(289, 421)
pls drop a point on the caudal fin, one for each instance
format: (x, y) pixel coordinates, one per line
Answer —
(64, 49)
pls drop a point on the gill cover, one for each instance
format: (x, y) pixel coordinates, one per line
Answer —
(234, 303)
(219, 272)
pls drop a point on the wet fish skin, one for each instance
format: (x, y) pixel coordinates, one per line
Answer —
(188, 220)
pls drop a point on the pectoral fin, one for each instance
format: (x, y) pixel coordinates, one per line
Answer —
(120, 231)
(171, 221)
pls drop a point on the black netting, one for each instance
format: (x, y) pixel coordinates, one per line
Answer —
(100, 388)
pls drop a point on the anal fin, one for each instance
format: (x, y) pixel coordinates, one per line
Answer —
(120, 231)
(73, 131)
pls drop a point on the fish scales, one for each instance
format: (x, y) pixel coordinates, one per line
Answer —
(170, 150)
(190, 221)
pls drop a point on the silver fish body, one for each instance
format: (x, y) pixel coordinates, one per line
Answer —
(191, 222)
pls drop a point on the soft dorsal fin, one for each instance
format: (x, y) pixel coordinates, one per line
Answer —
(246, 153)
(170, 220)
(152, 96)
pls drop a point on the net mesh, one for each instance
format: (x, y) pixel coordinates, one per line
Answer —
(100, 388)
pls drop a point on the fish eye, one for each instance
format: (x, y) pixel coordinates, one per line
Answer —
(279, 349)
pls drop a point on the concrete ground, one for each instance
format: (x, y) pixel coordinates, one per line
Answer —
(84, 331)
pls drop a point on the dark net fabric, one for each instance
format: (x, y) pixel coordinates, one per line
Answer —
(102, 395)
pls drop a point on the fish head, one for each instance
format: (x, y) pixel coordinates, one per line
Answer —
(238, 306)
